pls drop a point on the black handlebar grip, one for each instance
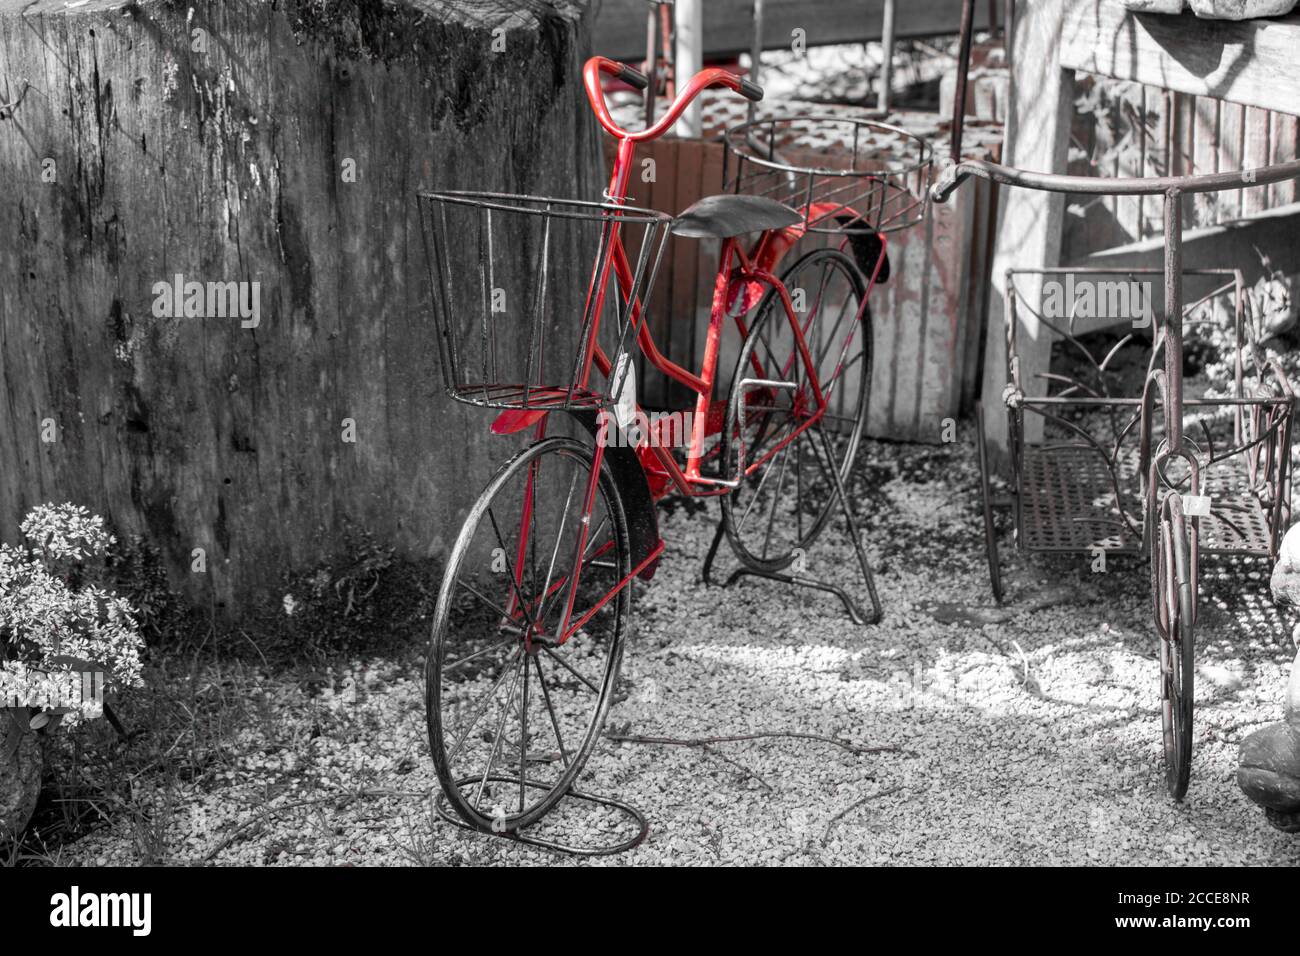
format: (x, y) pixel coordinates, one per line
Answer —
(632, 77)
(750, 91)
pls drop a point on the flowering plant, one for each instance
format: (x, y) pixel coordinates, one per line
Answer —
(56, 632)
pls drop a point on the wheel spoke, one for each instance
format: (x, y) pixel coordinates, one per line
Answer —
(829, 341)
(478, 715)
(559, 537)
(535, 479)
(496, 738)
(586, 563)
(767, 473)
(840, 369)
(510, 570)
(555, 721)
(798, 480)
(776, 498)
(565, 664)
(506, 620)
(806, 327)
(446, 668)
(523, 736)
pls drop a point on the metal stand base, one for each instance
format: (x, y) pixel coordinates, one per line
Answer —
(851, 606)
(518, 836)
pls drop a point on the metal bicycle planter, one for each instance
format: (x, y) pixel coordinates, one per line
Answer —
(852, 181)
(535, 605)
(1169, 493)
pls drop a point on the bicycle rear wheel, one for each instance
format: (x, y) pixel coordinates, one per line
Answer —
(785, 497)
(514, 710)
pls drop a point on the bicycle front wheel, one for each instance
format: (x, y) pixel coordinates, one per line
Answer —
(1172, 586)
(515, 703)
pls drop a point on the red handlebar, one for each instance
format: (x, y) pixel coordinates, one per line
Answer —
(698, 83)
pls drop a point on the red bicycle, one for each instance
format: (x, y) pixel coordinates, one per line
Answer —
(534, 608)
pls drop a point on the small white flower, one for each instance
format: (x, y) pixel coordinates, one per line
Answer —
(44, 623)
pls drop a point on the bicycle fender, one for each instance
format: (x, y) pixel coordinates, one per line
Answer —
(868, 249)
(639, 506)
(513, 420)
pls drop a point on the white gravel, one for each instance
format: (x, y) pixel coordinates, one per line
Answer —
(1026, 742)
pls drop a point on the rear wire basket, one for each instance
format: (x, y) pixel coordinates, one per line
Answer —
(845, 175)
(516, 295)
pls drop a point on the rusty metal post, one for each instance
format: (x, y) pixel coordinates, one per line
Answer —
(756, 57)
(651, 62)
(887, 56)
(963, 68)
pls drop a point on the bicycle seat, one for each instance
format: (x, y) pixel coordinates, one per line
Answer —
(724, 216)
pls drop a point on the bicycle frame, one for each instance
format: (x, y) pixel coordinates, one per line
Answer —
(739, 278)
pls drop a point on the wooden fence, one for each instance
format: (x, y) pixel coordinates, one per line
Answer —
(928, 318)
(1139, 130)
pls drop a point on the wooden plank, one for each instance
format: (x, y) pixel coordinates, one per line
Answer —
(887, 319)
(944, 307)
(1205, 150)
(227, 166)
(620, 25)
(910, 300)
(1256, 152)
(1129, 161)
(1232, 136)
(1155, 154)
(1182, 140)
(1286, 138)
(1030, 221)
(1251, 62)
(1077, 227)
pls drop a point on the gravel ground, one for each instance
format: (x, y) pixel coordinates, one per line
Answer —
(1033, 740)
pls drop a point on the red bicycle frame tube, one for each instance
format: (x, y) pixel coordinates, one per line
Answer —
(734, 265)
(698, 84)
(617, 193)
(752, 273)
